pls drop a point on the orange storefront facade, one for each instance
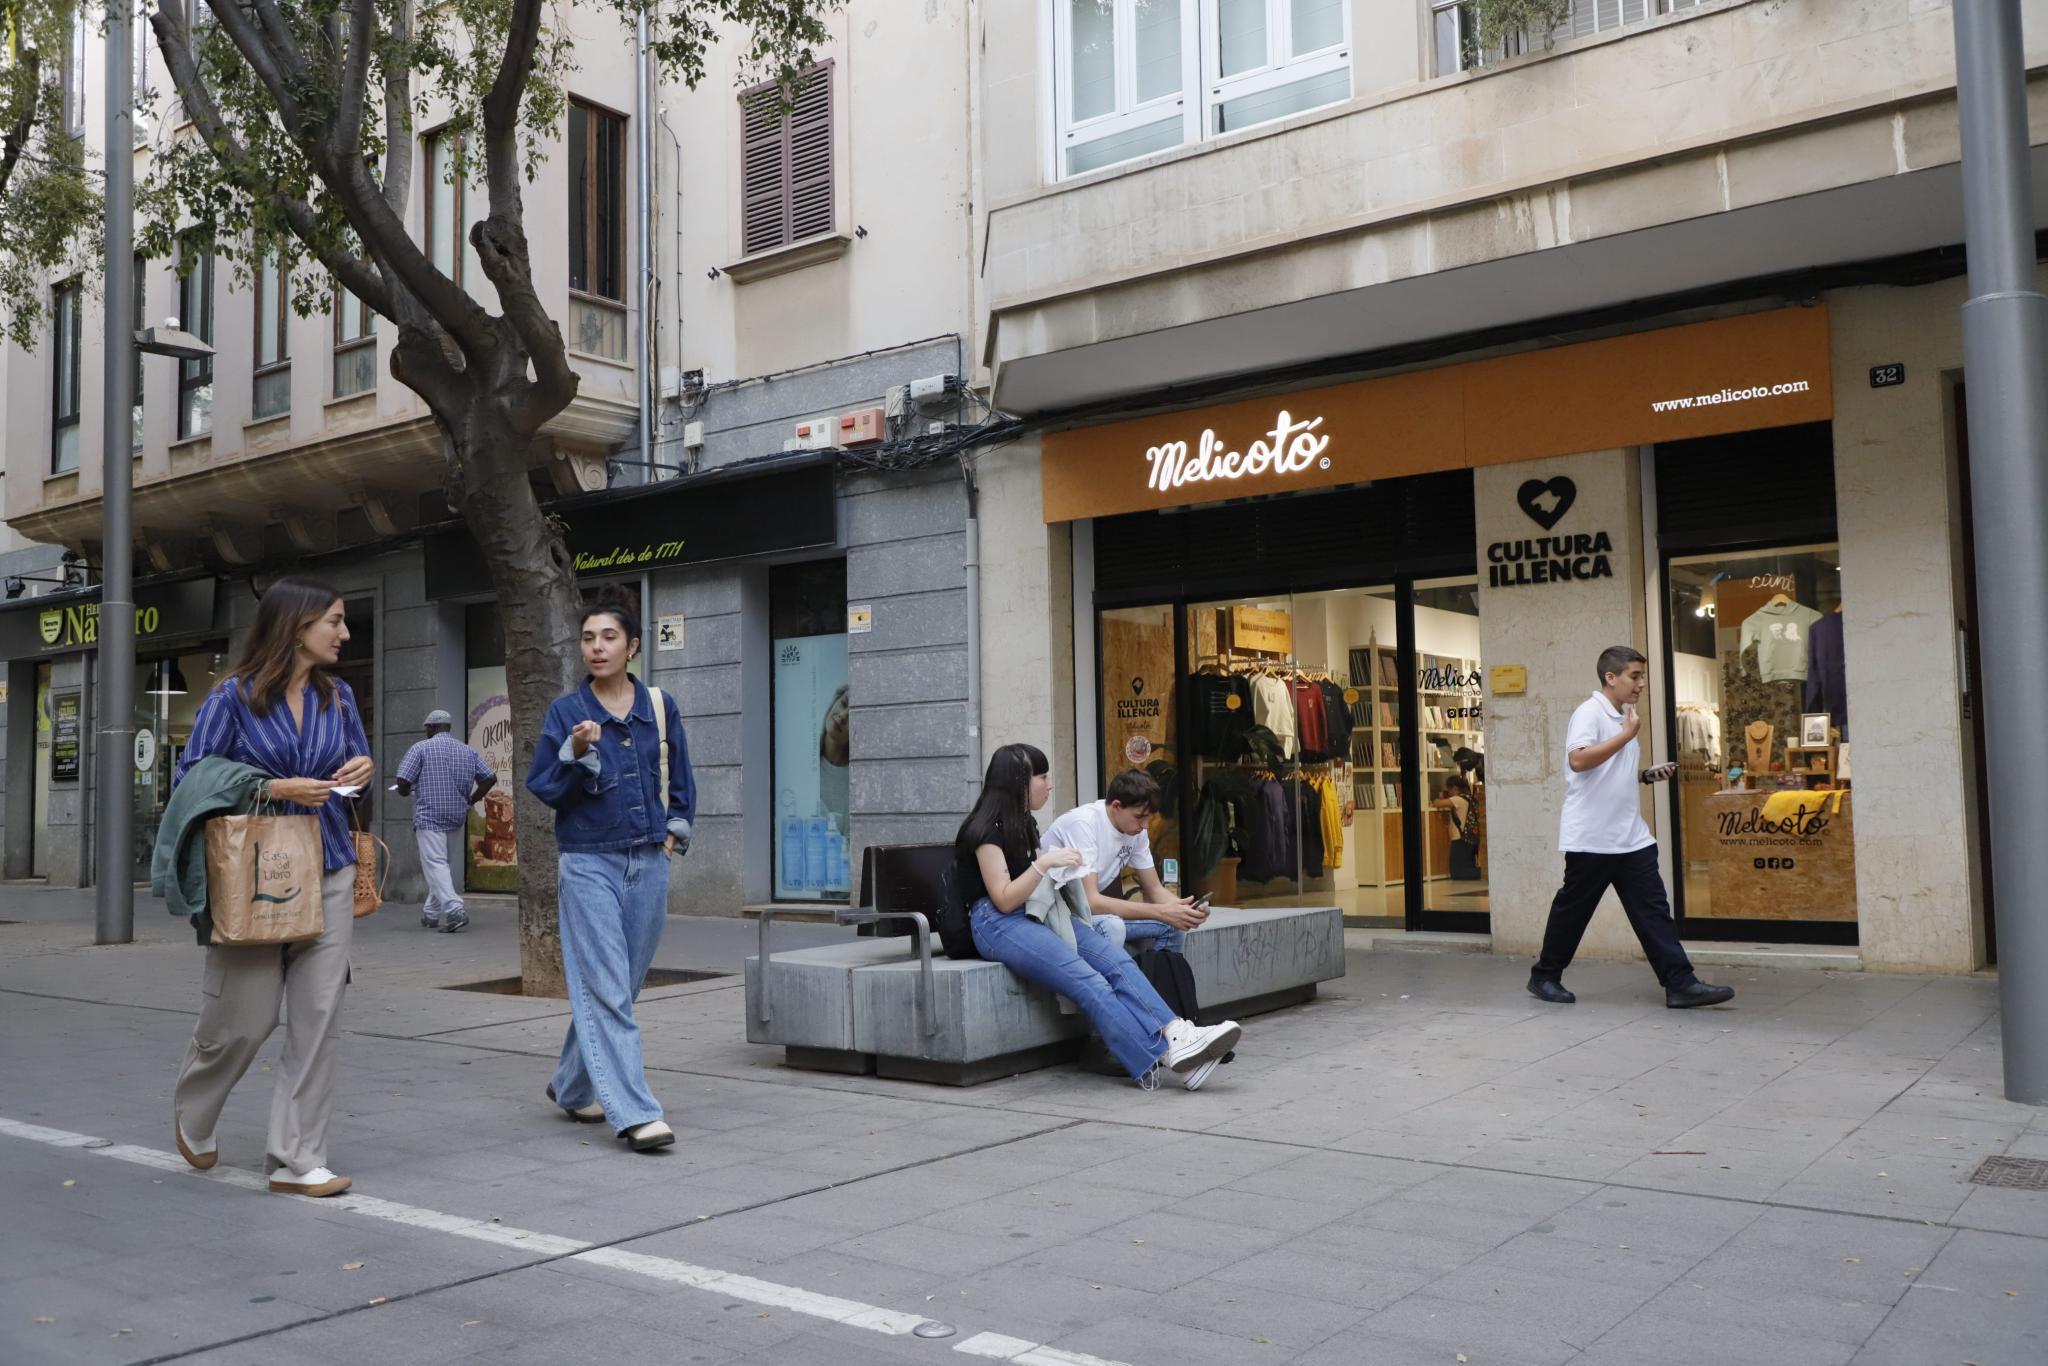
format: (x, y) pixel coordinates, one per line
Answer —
(1318, 615)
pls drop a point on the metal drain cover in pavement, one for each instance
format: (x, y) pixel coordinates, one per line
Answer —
(2020, 1173)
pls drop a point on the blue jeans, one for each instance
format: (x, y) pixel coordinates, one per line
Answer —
(1138, 935)
(612, 909)
(1095, 975)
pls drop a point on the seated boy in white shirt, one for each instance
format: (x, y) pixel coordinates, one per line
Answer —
(1110, 835)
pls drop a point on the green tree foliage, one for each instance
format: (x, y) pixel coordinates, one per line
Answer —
(1496, 21)
(49, 207)
(304, 116)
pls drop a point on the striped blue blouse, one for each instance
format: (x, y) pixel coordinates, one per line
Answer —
(332, 736)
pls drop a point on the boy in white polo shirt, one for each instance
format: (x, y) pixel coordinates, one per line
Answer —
(1607, 844)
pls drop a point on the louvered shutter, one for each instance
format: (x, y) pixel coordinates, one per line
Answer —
(764, 174)
(786, 181)
(810, 157)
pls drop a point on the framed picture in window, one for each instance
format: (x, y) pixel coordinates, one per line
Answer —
(1813, 728)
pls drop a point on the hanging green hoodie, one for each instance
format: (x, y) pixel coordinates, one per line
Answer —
(1779, 632)
(177, 867)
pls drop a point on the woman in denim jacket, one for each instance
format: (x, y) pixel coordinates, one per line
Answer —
(599, 763)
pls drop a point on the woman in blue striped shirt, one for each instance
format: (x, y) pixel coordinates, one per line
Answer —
(280, 711)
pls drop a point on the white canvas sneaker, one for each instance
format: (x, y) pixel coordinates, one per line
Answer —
(1201, 1074)
(649, 1136)
(1189, 1045)
(318, 1182)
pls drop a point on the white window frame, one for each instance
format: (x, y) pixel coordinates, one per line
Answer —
(1203, 87)
(1281, 68)
(1128, 115)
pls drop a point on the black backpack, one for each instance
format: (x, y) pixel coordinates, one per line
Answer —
(1168, 972)
(955, 934)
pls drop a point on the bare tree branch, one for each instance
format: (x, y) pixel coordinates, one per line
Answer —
(500, 239)
(346, 134)
(280, 72)
(173, 39)
(284, 44)
(501, 111)
(398, 110)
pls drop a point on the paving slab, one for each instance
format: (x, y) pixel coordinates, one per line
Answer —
(1420, 1163)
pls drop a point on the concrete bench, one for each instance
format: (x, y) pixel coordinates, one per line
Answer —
(872, 1007)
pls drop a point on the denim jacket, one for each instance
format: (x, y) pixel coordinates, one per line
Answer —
(610, 799)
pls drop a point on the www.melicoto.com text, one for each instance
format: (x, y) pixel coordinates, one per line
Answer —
(1672, 405)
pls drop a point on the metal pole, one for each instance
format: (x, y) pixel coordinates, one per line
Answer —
(643, 255)
(114, 693)
(2005, 361)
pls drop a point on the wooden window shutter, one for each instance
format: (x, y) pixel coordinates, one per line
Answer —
(786, 181)
(810, 157)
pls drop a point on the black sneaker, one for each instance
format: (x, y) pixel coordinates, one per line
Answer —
(1697, 993)
(1551, 990)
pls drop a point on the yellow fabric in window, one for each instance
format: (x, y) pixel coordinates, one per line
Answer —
(1333, 822)
(1785, 806)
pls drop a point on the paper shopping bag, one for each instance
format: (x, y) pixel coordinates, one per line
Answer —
(263, 879)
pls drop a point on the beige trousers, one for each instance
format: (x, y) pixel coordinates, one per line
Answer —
(243, 988)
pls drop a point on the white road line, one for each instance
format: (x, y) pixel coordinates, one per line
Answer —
(849, 1313)
(1019, 1352)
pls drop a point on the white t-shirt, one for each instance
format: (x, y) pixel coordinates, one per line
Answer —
(1603, 810)
(1105, 850)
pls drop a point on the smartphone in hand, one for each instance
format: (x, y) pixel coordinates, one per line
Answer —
(1659, 774)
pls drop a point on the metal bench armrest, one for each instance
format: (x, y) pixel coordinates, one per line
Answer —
(921, 933)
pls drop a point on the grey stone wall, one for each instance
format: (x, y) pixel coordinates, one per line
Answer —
(904, 543)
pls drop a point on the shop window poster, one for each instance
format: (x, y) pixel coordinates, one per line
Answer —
(812, 750)
(490, 847)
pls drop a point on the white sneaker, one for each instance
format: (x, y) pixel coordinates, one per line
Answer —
(1189, 1045)
(649, 1136)
(1201, 1074)
(317, 1182)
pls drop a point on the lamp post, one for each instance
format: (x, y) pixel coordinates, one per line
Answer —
(2005, 360)
(114, 705)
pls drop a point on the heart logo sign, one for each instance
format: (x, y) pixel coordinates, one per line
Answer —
(1547, 501)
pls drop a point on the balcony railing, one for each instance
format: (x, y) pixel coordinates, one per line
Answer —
(1456, 39)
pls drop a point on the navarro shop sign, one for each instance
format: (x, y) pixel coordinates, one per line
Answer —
(42, 627)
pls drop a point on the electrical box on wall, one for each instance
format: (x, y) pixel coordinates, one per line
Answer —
(693, 436)
(861, 427)
(816, 435)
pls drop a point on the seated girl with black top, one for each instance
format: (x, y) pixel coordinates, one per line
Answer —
(1020, 921)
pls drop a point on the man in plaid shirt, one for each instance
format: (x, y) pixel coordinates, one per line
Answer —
(445, 778)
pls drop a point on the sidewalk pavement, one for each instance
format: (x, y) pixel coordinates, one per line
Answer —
(1424, 1165)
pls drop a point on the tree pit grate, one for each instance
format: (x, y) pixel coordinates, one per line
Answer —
(2015, 1173)
(656, 977)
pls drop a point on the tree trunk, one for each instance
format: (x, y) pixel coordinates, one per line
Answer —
(542, 615)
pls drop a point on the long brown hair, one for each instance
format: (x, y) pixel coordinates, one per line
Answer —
(264, 668)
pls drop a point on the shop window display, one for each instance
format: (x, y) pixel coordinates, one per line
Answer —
(1760, 712)
(1140, 717)
(1284, 759)
(1449, 702)
(813, 731)
(168, 691)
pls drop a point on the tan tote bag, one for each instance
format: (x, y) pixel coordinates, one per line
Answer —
(263, 875)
